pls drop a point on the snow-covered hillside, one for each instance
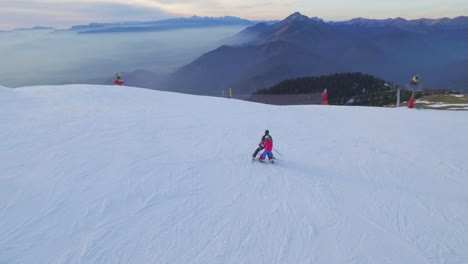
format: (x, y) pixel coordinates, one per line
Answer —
(106, 174)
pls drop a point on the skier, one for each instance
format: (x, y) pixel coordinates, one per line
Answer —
(118, 79)
(260, 145)
(414, 82)
(268, 145)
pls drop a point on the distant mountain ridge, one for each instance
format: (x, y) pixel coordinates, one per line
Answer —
(444, 23)
(299, 46)
(35, 28)
(166, 24)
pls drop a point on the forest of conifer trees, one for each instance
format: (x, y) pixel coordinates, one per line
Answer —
(346, 89)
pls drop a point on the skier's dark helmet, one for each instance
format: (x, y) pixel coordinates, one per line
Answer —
(267, 132)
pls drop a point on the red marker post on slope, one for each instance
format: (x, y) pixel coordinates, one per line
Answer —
(325, 97)
(411, 101)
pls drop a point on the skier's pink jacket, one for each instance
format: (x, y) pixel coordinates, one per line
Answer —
(268, 145)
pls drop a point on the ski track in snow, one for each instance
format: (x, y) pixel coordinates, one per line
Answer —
(104, 174)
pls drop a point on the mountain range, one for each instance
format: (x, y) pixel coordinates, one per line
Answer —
(166, 24)
(392, 49)
(35, 28)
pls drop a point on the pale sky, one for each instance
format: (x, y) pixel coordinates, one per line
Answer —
(65, 13)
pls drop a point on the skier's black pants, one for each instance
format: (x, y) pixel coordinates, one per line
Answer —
(257, 151)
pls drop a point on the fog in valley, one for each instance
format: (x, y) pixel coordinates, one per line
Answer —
(36, 57)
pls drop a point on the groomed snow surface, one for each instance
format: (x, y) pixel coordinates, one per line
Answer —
(106, 174)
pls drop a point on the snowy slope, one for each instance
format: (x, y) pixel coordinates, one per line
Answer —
(105, 174)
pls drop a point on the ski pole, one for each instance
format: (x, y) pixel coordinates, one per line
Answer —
(278, 152)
